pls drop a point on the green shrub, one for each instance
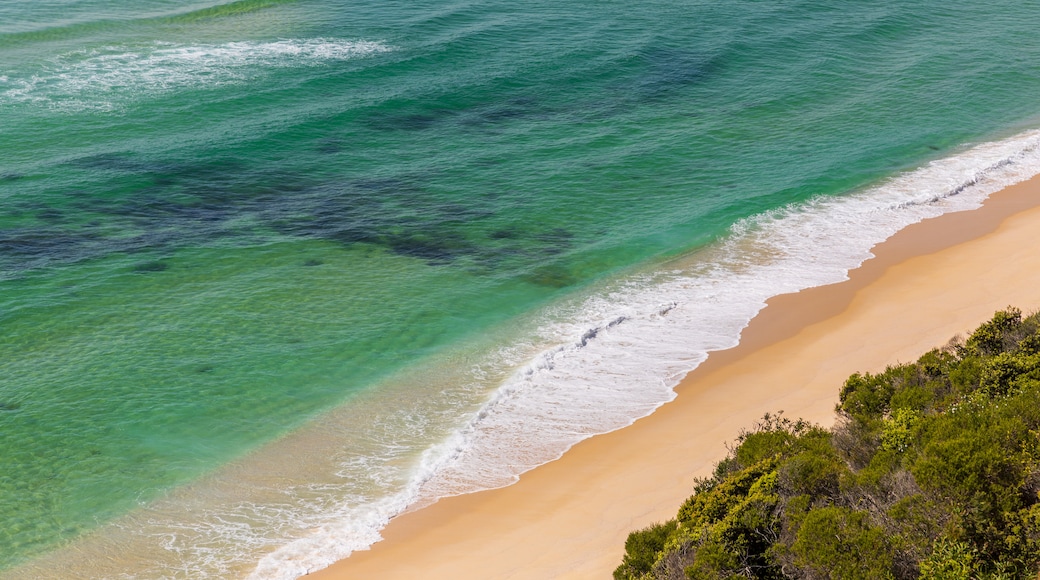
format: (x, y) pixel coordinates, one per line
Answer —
(840, 543)
(949, 560)
(642, 548)
(897, 431)
(932, 471)
(865, 396)
(997, 335)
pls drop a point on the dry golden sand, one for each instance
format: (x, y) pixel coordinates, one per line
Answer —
(569, 518)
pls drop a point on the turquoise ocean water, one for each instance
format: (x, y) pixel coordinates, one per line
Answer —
(272, 271)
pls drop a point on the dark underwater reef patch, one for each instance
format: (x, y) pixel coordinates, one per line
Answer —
(504, 234)
(154, 266)
(551, 276)
(41, 242)
(666, 69)
(329, 146)
(162, 206)
(407, 121)
(27, 248)
(422, 116)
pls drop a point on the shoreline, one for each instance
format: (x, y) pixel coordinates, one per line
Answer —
(569, 518)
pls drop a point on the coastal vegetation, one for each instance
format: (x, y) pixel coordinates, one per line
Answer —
(931, 471)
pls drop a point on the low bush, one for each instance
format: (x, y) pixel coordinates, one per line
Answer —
(932, 470)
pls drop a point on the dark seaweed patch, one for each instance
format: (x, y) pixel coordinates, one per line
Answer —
(405, 121)
(504, 234)
(435, 250)
(180, 204)
(494, 116)
(393, 186)
(556, 241)
(329, 146)
(669, 69)
(153, 209)
(556, 235)
(503, 114)
(120, 162)
(50, 215)
(43, 242)
(490, 115)
(392, 212)
(414, 116)
(552, 276)
(155, 266)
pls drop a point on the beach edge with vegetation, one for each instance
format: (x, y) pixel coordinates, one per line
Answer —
(932, 470)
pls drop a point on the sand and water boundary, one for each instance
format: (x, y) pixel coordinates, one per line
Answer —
(569, 518)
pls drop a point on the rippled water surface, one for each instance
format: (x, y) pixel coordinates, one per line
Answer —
(272, 270)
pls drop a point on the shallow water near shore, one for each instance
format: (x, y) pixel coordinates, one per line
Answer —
(273, 271)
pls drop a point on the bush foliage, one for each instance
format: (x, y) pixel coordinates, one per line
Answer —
(932, 471)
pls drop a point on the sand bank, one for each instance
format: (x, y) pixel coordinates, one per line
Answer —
(570, 518)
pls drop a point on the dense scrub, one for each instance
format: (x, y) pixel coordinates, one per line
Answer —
(932, 471)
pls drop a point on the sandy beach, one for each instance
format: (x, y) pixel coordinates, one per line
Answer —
(570, 518)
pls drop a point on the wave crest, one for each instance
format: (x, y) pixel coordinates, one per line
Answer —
(107, 78)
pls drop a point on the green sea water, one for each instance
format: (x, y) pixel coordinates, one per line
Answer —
(220, 221)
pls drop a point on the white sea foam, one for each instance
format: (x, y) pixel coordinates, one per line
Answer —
(107, 78)
(620, 351)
